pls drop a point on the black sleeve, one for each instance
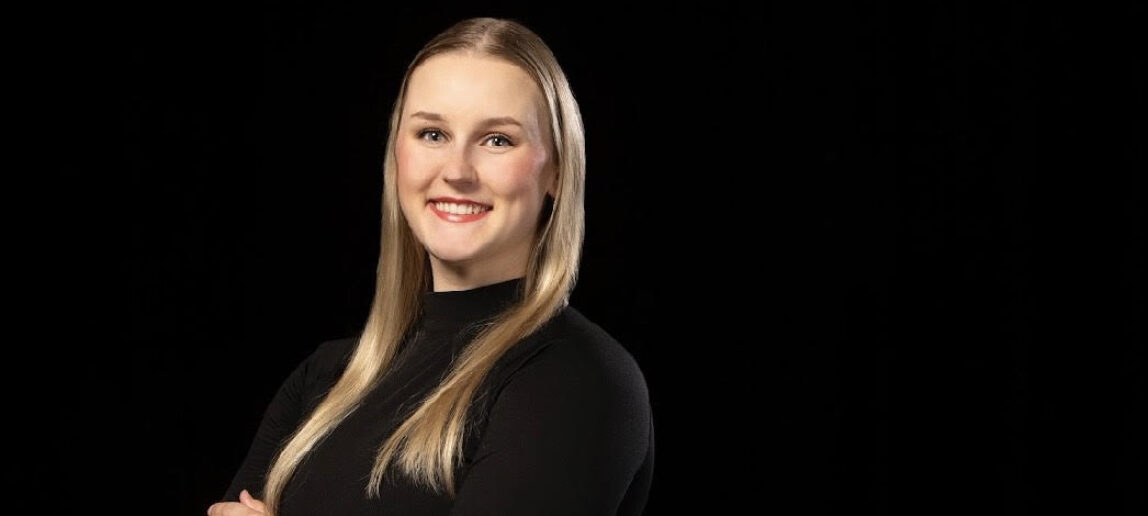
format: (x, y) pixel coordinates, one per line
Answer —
(570, 432)
(296, 397)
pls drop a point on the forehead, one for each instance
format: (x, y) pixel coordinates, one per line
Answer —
(459, 86)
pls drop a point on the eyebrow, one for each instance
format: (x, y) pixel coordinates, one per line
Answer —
(435, 117)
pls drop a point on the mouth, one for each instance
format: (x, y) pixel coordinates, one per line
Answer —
(458, 210)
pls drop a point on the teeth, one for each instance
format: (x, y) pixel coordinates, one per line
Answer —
(459, 209)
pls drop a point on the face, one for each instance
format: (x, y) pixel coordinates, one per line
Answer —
(474, 166)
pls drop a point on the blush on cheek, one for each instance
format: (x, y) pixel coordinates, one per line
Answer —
(400, 152)
(405, 162)
(526, 175)
(526, 169)
(405, 181)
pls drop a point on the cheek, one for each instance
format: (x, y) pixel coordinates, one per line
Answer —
(411, 171)
(523, 177)
(410, 179)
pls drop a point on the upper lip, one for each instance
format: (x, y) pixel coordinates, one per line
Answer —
(457, 201)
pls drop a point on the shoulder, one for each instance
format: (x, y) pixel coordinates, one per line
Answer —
(333, 355)
(576, 359)
(571, 392)
(316, 373)
(570, 427)
(574, 339)
(306, 385)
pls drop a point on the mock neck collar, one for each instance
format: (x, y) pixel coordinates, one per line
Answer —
(462, 307)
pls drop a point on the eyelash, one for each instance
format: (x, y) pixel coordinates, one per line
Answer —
(509, 143)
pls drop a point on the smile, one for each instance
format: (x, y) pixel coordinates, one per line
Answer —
(452, 211)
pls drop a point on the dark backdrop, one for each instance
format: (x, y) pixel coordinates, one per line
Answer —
(872, 259)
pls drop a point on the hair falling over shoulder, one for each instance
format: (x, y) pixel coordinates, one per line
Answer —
(427, 447)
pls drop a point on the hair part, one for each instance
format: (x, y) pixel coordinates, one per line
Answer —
(427, 446)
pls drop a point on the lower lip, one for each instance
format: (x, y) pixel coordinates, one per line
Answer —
(454, 217)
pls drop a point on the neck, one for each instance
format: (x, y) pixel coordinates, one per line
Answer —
(450, 276)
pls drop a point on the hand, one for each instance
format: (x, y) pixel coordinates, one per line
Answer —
(247, 506)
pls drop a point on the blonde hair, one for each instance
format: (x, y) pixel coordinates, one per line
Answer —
(428, 445)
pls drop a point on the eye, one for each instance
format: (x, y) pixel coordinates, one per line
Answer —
(499, 140)
(431, 135)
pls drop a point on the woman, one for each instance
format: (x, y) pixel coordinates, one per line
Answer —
(473, 388)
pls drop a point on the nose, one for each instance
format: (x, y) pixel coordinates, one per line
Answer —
(458, 169)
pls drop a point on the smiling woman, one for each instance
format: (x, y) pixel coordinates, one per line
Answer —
(472, 183)
(474, 387)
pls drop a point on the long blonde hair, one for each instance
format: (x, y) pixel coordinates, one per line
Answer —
(428, 445)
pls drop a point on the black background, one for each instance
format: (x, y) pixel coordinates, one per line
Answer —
(872, 258)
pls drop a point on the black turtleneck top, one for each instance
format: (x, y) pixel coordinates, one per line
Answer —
(562, 424)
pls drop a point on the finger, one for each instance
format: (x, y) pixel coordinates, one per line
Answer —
(258, 506)
(250, 501)
(231, 509)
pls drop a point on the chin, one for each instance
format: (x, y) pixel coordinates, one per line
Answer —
(453, 255)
